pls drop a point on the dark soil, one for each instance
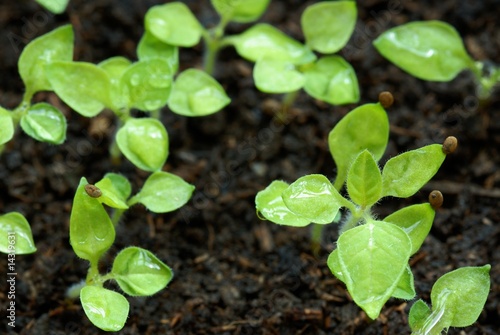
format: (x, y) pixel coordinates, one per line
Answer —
(235, 274)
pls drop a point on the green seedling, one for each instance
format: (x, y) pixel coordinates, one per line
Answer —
(282, 64)
(372, 254)
(92, 232)
(457, 299)
(434, 51)
(15, 235)
(55, 6)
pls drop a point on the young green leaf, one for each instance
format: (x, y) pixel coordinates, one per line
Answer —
(416, 221)
(196, 93)
(6, 126)
(373, 258)
(139, 272)
(406, 287)
(419, 312)
(115, 67)
(106, 309)
(111, 196)
(333, 263)
(406, 173)
(364, 180)
(328, 26)
(173, 23)
(91, 232)
(314, 198)
(144, 142)
(120, 184)
(242, 11)
(269, 203)
(333, 80)
(275, 76)
(85, 87)
(147, 84)
(44, 123)
(56, 45)
(430, 50)
(163, 192)
(16, 237)
(55, 6)
(366, 127)
(469, 288)
(151, 47)
(264, 41)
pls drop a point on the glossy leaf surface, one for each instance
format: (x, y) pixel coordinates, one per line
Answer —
(196, 93)
(163, 192)
(328, 25)
(147, 84)
(242, 11)
(429, 50)
(364, 180)
(373, 257)
(333, 80)
(270, 205)
(56, 45)
(106, 309)
(115, 67)
(366, 127)
(91, 232)
(173, 23)
(85, 87)
(113, 194)
(139, 272)
(405, 174)
(6, 126)
(275, 76)
(16, 237)
(144, 142)
(314, 198)
(416, 221)
(151, 47)
(264, 41)
(44, 123)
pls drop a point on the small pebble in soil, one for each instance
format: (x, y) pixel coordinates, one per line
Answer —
(450, 145)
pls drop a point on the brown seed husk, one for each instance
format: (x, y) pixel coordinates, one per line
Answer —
(386, 99)
(450, 145)
(436, 199)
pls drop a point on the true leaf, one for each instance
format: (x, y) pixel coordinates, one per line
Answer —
(468, 289)
(147, 84)
(430, 50)
(6, 126)
(373, 257)
(333, 80)
(55, 6)
(364, 180)
(366, 127)
(144, 142)
(85, 87)
(111, 196)
(416, 221)
(151, 47)
(173, 23)
(56, 45)
(264, 41)
(139, 272)
(276, 76)
(406, 287)
(419, 312)
(106, 309)
(328, 25)
(405, 174)
(91, 232)
(163, 192)
(242, 11)
(44, 123)
(120, 184)
(333, 263)
(196, 93)
(16, 237)
(314, 198)
(269, 203)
